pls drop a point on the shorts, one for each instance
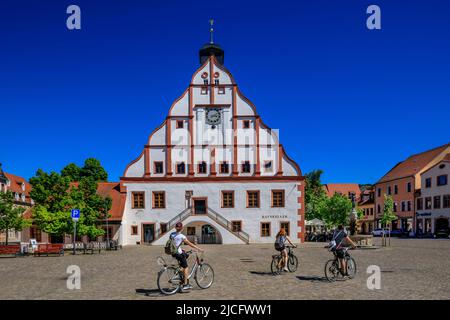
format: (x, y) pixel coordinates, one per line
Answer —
(280, 248)
(182, 259)
(340, 253)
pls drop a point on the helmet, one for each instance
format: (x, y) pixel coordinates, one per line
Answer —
(179, 225)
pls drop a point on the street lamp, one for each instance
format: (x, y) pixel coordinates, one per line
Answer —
(353, 216)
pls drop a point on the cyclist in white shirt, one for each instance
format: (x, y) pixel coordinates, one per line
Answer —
(182, 256)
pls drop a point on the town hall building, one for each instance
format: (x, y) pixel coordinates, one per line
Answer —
(215, 166)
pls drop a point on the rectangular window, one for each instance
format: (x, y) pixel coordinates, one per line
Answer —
(159, 201)
(221, 90)
(442, 180)
(180, 124)
(246, 124)
(395, 206)
(446, 201)
(371, 211)
(268, 167)
(227, 199)
(204, 90)
(285, 226)
(190, 231)
(420, 204)
(389, 191)
(277, 198)
(408, 187)
(403, 206)
(163, 228)
(216, 82)
(181, 168)
(265, 229)
(246, 167)
(437, 202)
(428, 183)
(379, 209)
(134, 230)
(205, 82)
(158, 167)
(409, 206)
(236, 226)
(427, 203)
(138, 200)
(224, 167)
(252, 199)
(379, 192)
(201, 167)
(395, 189)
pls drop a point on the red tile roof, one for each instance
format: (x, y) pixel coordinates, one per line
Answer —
(413, 165)
(342, 188)
(16, 185)
(112, 190)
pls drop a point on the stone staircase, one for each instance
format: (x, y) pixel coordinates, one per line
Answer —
(218, 218)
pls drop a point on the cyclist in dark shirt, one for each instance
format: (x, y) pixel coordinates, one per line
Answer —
(340, 236)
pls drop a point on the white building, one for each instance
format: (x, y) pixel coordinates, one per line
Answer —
(433, 204)
(214, 165)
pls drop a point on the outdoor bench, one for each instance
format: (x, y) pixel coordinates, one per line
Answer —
(49, 248)
(13, 250)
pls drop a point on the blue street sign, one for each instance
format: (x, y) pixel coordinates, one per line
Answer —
(75, 214)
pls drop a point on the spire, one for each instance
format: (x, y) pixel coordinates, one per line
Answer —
(211, 31)
(211, 48)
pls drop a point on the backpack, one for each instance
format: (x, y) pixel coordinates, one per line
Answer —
(170, 247)
(332, 245)
(279, 243)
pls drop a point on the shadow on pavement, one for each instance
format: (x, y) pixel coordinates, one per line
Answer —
(260, 273)
(150, 292)
(312, 278)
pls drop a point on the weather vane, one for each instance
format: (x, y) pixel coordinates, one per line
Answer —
(211, 31)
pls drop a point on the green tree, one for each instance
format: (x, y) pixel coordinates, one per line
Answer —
(93, 168)
(315, 196)
(11, 215)
(388, 216)
(72, 171)
(55, 196)
(337, 210)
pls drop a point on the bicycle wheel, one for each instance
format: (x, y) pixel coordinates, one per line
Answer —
(204, 276)
(331, 270)
(169, 280)
(351, 267)
(292, 263)
(276, 270)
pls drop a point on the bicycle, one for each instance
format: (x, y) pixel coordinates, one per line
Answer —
(277, 262)
(333, 270)
(170, 277)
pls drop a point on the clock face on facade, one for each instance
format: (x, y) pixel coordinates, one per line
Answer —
(213, 116)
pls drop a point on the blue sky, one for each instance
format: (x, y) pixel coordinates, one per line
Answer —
(348, 100)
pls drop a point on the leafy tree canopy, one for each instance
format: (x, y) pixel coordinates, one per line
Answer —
(11, 215)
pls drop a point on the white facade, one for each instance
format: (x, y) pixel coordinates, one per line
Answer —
(212, 141)
(433, 212)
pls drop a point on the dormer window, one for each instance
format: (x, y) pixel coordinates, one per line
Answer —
(23, 197)
(23, 186)
(16, 196)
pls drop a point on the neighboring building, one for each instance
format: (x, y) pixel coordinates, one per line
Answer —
(214, 165)
(344, 189)
(21, 191)
(433, 200)
(401, 182)
(366, 203)
(105, 189)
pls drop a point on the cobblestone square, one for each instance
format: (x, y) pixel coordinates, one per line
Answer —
(410, 269)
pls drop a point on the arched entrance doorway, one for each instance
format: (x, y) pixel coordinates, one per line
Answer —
(210, 235)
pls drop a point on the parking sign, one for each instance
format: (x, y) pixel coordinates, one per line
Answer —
(75, 214)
